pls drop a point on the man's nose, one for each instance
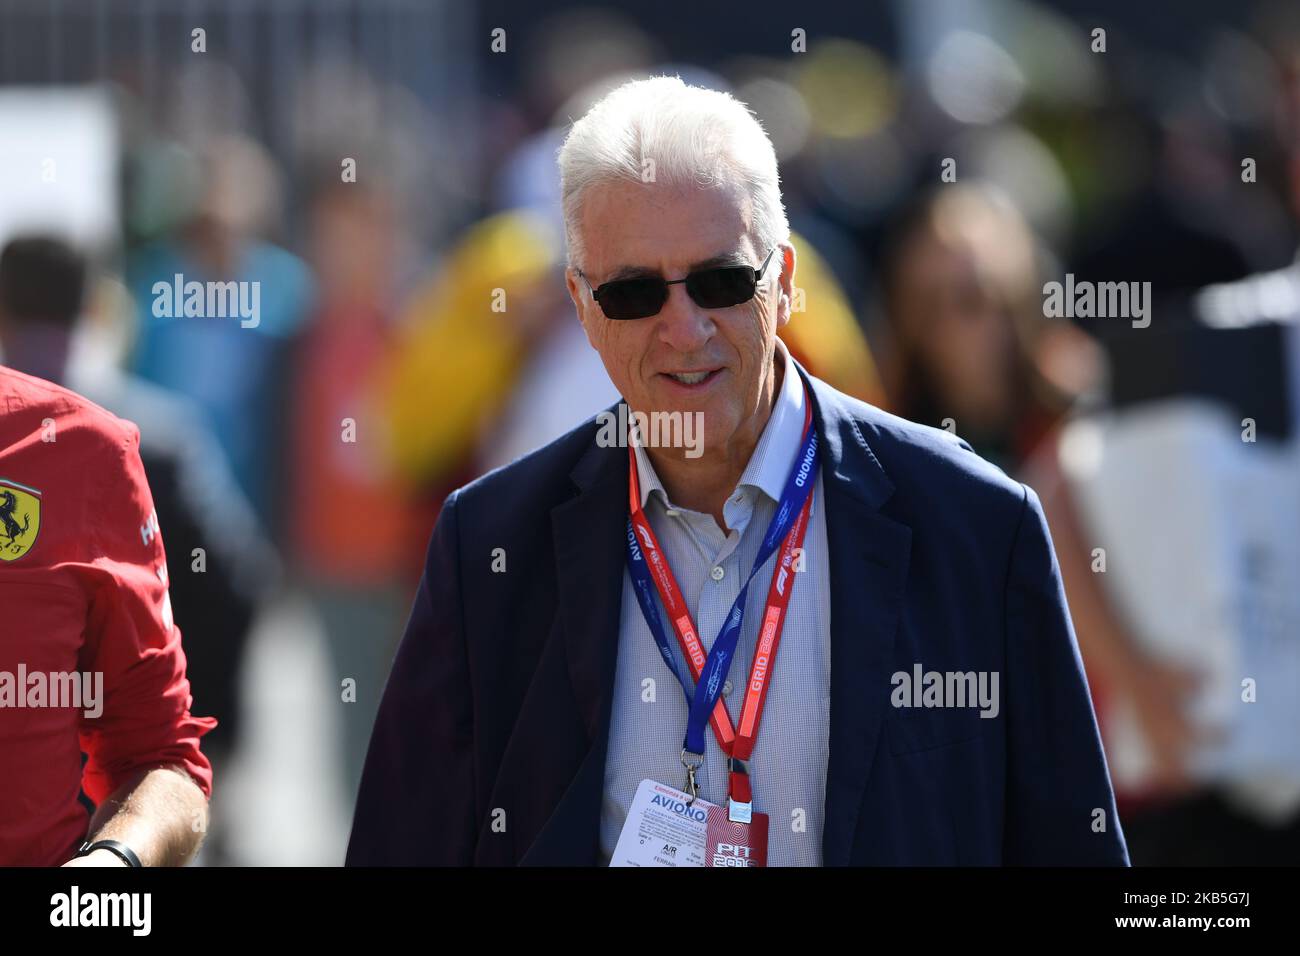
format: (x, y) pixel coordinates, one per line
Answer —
(683, 325)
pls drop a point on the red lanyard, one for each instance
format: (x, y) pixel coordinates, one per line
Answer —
(735, 744)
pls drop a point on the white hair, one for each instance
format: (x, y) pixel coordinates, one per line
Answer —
(693, 136)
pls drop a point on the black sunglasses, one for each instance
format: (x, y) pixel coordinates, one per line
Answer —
(644, 296)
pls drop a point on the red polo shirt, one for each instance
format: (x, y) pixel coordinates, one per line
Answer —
(83, 601)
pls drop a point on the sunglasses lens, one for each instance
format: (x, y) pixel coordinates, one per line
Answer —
(632, 298)
(720, 288)
(643, 297)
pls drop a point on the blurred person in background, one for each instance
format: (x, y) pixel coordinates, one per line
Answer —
(224, 566)
(235, 369)
(84, 587)
(356, 535)
(967, 339)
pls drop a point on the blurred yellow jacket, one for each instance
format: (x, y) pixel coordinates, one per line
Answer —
(460, 345)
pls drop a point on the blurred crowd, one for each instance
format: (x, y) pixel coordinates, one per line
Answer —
(414, 331)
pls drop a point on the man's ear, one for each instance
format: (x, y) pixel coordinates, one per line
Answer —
(785, 301)
(581, 297)
(574, 284)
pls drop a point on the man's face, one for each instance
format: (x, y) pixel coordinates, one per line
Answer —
(632, 229)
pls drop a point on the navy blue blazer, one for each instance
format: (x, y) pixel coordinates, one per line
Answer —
(489, 746)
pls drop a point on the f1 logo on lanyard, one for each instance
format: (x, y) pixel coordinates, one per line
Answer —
(736, 834)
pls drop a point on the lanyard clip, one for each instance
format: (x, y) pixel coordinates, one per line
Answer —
(739, 812)
(692, 788)
(740, 800)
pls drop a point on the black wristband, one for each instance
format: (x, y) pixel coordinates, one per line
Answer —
(112, 846)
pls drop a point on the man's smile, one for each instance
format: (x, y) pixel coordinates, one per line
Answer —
(692, 379)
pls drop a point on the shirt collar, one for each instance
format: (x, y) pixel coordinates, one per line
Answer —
(778, 446)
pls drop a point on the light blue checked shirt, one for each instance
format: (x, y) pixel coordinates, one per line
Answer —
(788, 769)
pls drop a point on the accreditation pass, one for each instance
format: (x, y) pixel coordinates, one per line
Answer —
(662, 829)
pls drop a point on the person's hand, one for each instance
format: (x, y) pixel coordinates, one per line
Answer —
(97, 858)
(1160, 695)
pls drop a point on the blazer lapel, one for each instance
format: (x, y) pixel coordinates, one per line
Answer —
(589, 532)
(868, 564)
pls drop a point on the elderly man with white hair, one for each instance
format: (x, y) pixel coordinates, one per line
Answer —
(739, 618)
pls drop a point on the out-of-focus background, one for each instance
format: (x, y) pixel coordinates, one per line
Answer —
(368, 173)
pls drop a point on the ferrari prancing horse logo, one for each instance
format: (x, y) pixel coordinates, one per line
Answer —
(20, 519)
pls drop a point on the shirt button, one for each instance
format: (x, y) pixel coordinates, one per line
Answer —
(726, 689)
(717, 573)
